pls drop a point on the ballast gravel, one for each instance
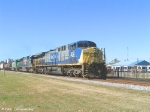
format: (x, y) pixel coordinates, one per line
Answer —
(127, 86)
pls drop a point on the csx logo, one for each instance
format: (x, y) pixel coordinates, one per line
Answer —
(72, 54)
(54, 56)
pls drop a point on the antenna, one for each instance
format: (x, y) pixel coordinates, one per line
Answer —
(104, 55)
(127, 54)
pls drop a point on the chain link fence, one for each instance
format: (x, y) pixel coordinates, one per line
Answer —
(132, 73)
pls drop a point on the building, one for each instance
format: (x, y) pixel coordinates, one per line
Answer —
(9, 60)
(127, 65)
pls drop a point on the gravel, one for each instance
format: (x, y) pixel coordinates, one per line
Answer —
(127, 86)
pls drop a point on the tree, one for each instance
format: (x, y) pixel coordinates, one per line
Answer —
(114, 61)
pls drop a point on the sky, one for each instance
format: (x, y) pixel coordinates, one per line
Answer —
(122, 27)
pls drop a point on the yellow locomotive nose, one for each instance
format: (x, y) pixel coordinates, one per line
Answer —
(93, 64)
(91, 55)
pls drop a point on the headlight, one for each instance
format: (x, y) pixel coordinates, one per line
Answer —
(94, 50)
(92, 61)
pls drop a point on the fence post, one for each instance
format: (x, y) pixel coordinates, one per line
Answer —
(135, 73)
(118, 73)
(4, 71)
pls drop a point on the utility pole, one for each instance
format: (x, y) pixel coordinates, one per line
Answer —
(104, 56)
(127, 54)
(137, 67)
(4, 69)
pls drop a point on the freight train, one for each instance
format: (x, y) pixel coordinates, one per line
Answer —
(81, 58)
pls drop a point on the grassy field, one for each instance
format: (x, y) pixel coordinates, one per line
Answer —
(30, 92)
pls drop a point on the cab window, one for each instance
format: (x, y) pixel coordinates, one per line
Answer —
(73, 47)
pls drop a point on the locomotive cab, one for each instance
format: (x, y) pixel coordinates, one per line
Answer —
(93, 60)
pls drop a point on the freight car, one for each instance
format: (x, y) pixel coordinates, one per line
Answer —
(80, 58)
(1, 66)
(7, 66)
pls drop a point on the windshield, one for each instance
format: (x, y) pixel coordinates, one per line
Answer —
(92, 44)
(80, 45)
(86, 44)
(83, 45)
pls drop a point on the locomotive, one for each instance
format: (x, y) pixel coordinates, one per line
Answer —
(81, 58)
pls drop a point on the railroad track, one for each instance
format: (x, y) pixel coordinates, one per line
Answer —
(113, 80)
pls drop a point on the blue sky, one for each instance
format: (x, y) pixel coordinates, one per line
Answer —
(28, 27)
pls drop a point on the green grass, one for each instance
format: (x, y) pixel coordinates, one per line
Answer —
(42, 94)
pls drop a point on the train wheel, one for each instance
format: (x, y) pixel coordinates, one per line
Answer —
(71, 74)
